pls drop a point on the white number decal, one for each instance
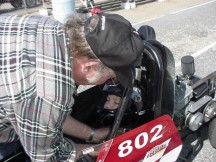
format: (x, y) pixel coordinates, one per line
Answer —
(137, 140)
(125, 147)
(156, 135)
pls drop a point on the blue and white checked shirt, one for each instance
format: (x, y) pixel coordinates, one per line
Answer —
(36, 86)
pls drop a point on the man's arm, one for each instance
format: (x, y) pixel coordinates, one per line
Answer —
(75, 128)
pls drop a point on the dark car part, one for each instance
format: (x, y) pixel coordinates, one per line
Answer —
(86, 158)
(147, 32)
(20, 3)
(31, 3)
(13, 152)
(120, 112)
(195, 99)
(187, 65)
(155, 79)
(210, 111)
(212, 132)
(16, 3)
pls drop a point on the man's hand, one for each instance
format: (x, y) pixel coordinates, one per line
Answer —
(100, 135)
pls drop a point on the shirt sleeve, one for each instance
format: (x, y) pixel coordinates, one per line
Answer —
(39, 124)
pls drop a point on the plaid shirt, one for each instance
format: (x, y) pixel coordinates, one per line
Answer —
(36, 86)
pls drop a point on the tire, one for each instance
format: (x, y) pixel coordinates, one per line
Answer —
(30, 3)
(2, 1)
(16, 3)
(147, 32)
(212, 132)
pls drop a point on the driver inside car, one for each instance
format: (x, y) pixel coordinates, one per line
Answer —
(110, 102)
(114, 95)
(106, 109)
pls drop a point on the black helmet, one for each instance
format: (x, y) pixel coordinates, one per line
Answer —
(105, 117)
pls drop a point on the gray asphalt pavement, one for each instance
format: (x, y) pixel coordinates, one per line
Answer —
(189, 32)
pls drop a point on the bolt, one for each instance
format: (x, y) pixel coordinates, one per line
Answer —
(207, 115)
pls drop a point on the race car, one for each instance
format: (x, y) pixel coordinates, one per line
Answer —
(147, 125)
(188, 99)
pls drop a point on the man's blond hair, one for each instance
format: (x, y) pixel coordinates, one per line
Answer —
(77, 43)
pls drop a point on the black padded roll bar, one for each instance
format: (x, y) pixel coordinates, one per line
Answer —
(158, 75)
(120, 113)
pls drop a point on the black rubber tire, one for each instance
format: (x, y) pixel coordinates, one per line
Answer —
(16, 3)
(212, 132)
(147, 32)
(31, 3)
